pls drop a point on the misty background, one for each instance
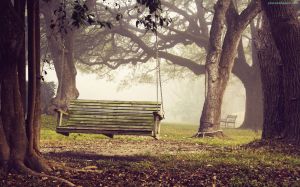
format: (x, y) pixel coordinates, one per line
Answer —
(183, 97)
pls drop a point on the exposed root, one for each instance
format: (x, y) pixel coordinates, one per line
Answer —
(20, 166)
(38, 152)
(37, 163)
(83, 170)
(218, 133)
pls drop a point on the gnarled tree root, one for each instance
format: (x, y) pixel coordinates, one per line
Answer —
(22, 168)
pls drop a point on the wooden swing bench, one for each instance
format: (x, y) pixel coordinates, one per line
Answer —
(110, 118)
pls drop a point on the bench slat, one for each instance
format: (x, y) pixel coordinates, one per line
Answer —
(113, 102)
(127, 118)
(114, 105)
(107, 122)
(107, 127)
(110, 114)
(138, 125)
(115, 132)
(99, 108)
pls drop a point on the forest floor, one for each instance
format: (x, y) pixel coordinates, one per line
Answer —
(239, 159)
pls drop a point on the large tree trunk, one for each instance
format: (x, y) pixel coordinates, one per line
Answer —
(285, 29)
(220, 60)
(37, 112)
(61, 49)
(16, 148)
(254, 104)
(210, 117)
(272, 79)
(250, 77)
(12, 116)
(66, 73)
(20, 9)
(253, 87)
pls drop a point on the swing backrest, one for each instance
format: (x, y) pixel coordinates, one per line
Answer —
(110, 117)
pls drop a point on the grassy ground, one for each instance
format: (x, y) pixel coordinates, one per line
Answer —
(169, 131)
(176, 159)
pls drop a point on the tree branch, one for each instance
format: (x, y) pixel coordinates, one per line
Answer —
(248, 14)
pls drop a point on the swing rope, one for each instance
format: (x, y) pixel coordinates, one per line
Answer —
(158, 80)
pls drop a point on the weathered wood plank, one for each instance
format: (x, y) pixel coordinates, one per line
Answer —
(112, 108)
(111, 127)
(108, 122)
(133, 123)
(110, 117)
(117, 118)
(120, 112)
(106, 129)
(113, 105)
(113, 102)
(141, 125)
(87, 131)
(113, 115)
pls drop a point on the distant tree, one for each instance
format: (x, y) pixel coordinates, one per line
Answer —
(221, 57)
(61, 49)
(102, 50)
(47, 94)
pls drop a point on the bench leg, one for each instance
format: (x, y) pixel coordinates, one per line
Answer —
(156, 129)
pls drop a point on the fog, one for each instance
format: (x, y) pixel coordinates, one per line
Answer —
(183, 98)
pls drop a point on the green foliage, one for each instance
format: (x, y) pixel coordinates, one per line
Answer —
(82, 16)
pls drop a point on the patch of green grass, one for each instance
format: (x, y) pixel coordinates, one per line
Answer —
(184, 132)
(48, 132)
(244, 157)
(239, 166)
(169, 131)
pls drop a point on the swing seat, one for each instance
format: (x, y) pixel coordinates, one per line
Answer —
(110, 118)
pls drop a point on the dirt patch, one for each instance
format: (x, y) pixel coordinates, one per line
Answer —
(125, 147)
(126, 162)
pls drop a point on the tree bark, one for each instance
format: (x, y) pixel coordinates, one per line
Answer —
(12, 117)
(272, 79)
(285, 29)
(254, 104)
(62, 59)
(252, 82)
(66, 74)
(16, 148)
(32, 74)
(220, 59)
(20, 9)
(37, 112)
